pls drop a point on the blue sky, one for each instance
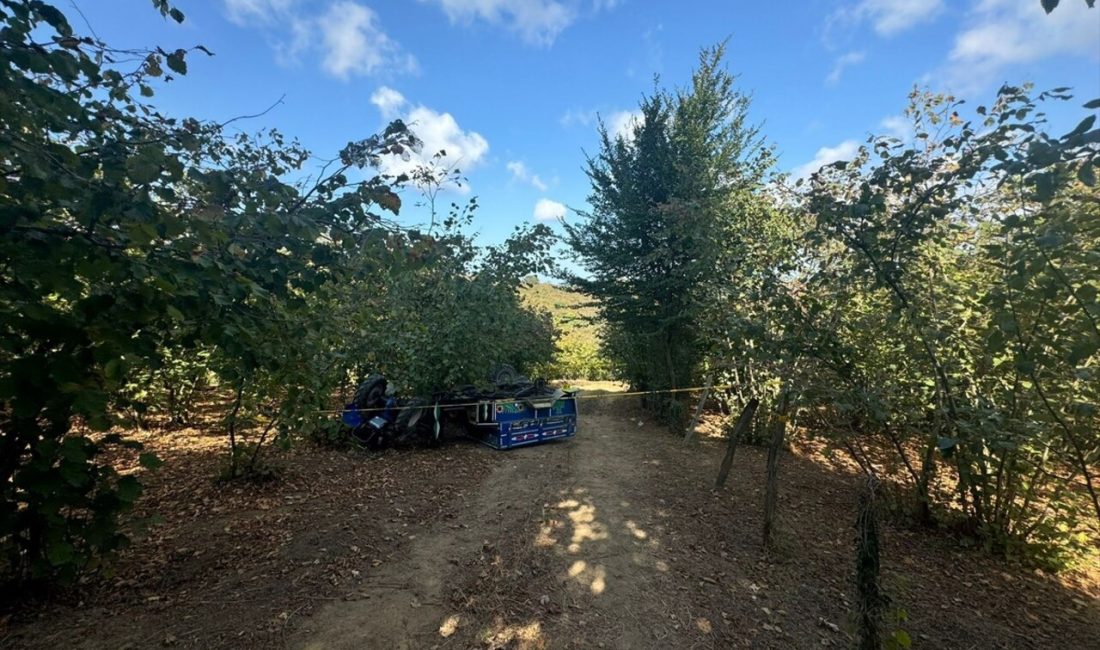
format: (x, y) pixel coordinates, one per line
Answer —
(511, 88)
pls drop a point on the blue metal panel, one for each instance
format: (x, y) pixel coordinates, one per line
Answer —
(515, 423)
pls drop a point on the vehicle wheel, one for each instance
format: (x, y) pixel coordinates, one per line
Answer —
(452, 428)
(416, 421)
(504, 375)
(382, 439)
(370, 392)
(367, 437)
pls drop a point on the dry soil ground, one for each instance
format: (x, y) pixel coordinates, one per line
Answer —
(613, 539)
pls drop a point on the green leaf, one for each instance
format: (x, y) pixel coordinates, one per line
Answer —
(144, 168)
(128, 489)
(150, 461)
(75, 474)
(1086, 175)
(176, 14)
(1082, 350)
(176, 63)
(1081, 128)
(1049, 5)
(901, 637)
(114, 369)
(60, 553)
(1094, 104)
(152, 66)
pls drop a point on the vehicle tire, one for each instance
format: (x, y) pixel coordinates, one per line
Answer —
(505, 375)
(382, 440)
(370, 392)
(452, 428)
(367, 437)
(415, 422)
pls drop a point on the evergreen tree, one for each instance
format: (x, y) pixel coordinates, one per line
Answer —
(670, 201)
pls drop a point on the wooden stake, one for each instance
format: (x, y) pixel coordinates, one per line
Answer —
(699, 409)
(869, 594)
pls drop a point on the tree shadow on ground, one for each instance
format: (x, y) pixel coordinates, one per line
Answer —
(638, 550)
(238, 564)
(614, 537)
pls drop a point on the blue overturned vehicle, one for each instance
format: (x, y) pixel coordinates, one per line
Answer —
(511, 411)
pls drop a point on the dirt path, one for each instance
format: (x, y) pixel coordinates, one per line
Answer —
(613, 539)
(564, 529)
(404, 603)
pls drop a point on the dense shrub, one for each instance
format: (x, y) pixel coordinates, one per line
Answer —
(153, 264)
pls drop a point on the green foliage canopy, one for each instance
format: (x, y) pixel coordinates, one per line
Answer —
(145, 255)
(671, 202)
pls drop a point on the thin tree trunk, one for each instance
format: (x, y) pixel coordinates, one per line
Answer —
(1079, 455)
(735, 436)
(771, 494)
(856, 456)
(233, 430)
(924, 486)
(256, 451)
(901, 453)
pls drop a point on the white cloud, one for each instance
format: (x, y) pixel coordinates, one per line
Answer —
(463, 150)
(622, 123)
(887, 17)
(897, 126)
(892, 16)
(538, 22)
(354, 43)
(348, 35)
(522, 174)
(844, 151)
(1004, 33)
(441, 132)
(842, 62)
(575, 116)
(389, 102)
(618, 123)
(250, 12)
(547, 210)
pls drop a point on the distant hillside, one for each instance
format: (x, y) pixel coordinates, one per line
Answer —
(578, 354)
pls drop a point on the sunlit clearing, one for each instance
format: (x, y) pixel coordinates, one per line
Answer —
(704, 625)
(578, 568)
(568, 503)
(662, 565)
(449, 625)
